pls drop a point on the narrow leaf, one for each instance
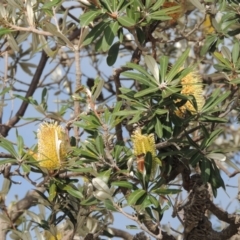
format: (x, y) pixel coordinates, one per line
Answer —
(152, 66)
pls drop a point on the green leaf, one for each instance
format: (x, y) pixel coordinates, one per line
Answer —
(158, 128)
(4, 143)
(109, 205)
(235, 81)
(108, 36)
(195, 159)
(50, 4)
(217, 156)
(157, 16)
(161, 111)
(88, 17)
(95, 33)
(107, 4)
(168, 91)
(114, 5)
(105, 175)
(7, 161)
(218, 178)
(157, 5)
(154, 201)
(207, 118)
(163, 67)
(124, 184)
(140, 35)
(135, 196)
(100, 145)
(100, 184)
(120, 35)
(91, 201)
(220, 58)
(148, 163)
(235, 52)
(126, 113)
(209, 44)
(4, 31)
(146, 92)
(113, 53)
(216, 98)
(205, 169)
(139, 77)
(20, 145)
(132, 227)
(97, 89)
(136, 118)
(126, 21)
(163, 191)
(26, 168)
(52, 191)
(142, 70)
(152, 66)
(177, 66)
(226, 53)
(212, 137)
(5, 90)
(73, 192)
(89, 153)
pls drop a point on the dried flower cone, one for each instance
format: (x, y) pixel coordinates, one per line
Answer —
(141, 145)
(52, 146)
(191, 85)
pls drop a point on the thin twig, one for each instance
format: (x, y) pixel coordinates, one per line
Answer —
(77, 107)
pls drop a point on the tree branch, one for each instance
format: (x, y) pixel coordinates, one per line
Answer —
(4, 129)
(223, 215)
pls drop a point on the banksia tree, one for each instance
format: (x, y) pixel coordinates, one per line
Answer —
(99, 68)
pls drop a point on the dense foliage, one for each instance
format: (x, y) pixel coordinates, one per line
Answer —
(157, 134)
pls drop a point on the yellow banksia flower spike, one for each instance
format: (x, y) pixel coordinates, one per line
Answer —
(52, 145)
(141, 145)
(191, 85)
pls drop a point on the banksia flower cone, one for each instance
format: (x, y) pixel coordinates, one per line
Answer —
(191, 85)
(52, 146)
(141, 145)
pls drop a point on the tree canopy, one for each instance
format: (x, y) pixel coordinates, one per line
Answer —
(134, 108)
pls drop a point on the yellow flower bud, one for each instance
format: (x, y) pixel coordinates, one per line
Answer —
(141, 145)
(52, 145)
